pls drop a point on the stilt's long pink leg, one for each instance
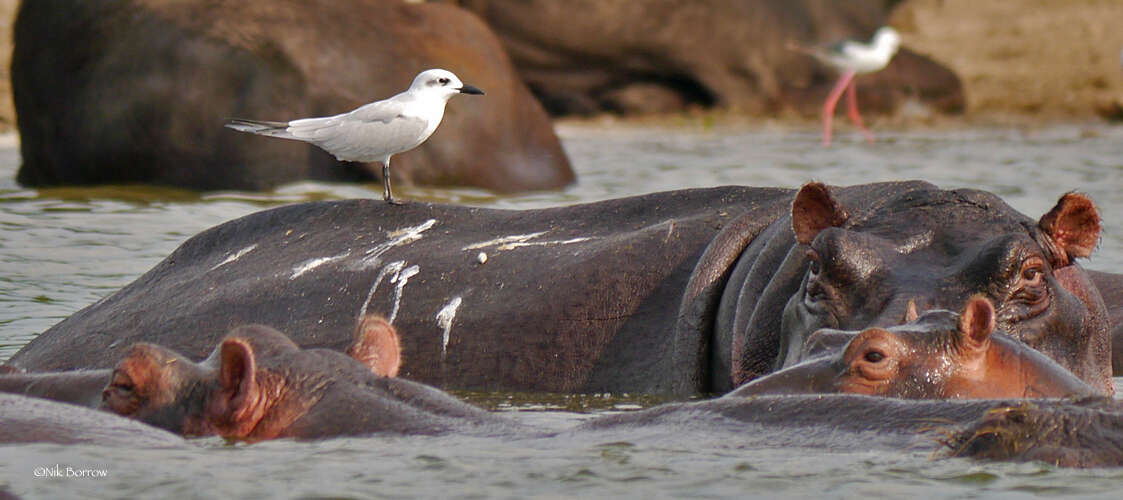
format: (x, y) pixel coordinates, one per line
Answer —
(852, 111)
(832, 101)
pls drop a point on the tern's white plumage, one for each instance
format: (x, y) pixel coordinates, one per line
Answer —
(376, 131)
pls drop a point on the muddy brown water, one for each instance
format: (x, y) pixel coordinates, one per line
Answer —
(63, 249)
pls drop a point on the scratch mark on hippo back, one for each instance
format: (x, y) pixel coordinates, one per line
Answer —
(444, 321)
(372, 257)
(400, 278)
(393, 267)
(521, 240)
(234, 256)
(311, 264)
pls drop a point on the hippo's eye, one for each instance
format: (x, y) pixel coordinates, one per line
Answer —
(814, 265)
(1031, 280)
(1029, 295)
(874, 356)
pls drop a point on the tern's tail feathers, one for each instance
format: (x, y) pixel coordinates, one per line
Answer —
(274, 129)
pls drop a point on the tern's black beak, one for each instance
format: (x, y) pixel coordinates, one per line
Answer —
(468, 89)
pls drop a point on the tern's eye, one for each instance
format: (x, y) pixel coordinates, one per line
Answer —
(444, 81)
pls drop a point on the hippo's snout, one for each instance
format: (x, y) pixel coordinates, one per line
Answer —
(814, 376)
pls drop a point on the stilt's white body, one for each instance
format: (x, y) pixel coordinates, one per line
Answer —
(853, 58)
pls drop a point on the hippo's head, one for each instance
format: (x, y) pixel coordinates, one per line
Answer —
(254, 385)
(933, 249)
(939, 355)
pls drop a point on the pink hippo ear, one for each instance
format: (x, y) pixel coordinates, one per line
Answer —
(813, 210)
(976, 323)
(239, 405)
(1074, 227)
(377, 346)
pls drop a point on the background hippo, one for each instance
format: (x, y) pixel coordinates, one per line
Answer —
(939, 355)
(645, 294)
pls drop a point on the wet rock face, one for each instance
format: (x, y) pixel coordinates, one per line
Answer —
(584, 56)
(138, 91)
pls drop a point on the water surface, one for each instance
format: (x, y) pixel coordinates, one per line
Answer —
(63, 249)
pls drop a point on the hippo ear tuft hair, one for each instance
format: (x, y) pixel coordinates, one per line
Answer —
(977, 322)
(1074, 227)
(377, 346)
(813, 210)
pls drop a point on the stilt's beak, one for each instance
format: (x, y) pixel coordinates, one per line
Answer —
(468, 89)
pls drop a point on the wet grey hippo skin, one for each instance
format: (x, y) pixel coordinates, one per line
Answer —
(258, 385)
(938, 355)
(25, 419)
(683, 292)
(322, 394)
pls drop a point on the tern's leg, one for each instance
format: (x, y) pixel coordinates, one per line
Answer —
(852, 111)
(832, 100)
(386, 193)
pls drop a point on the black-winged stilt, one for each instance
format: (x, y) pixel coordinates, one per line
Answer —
(853, 58)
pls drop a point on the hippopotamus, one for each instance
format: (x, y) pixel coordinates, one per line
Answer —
(681, 292)
(26, 419)
(1082, 434)
(259, 385)
(939, 355)
(375, 345)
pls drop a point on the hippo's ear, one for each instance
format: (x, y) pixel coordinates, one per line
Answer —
(377, 346)
(1074, 226)
(813, 210)
(976, 323)
(239, 404)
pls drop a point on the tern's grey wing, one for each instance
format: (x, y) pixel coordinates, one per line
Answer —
(354, 140)
(381, 111)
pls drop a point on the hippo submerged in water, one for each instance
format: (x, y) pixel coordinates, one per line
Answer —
(258, 385)
(940, 355)
(680, 292)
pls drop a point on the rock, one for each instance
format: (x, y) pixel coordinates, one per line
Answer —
(585, 56)
(137, 92)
